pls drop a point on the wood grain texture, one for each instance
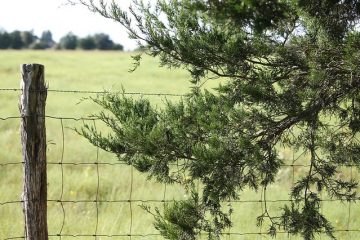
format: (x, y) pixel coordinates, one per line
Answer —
(33, 138)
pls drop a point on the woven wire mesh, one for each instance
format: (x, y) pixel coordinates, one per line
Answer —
(126, 207)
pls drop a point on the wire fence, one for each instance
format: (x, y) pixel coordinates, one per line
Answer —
(97, 200)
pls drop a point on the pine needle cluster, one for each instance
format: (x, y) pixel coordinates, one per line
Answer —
(293, 79)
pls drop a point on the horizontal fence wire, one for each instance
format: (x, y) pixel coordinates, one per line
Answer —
(96, 92)
(167, 201)
(124, 163)
(159, 235)
(53, 117)
(130, 200)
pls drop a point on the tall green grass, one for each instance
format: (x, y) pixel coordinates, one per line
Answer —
(97, 71)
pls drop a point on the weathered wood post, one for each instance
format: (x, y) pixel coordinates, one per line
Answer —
(33, 139)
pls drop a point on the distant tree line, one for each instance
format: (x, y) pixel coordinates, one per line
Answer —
(99, 41)
(28, 40)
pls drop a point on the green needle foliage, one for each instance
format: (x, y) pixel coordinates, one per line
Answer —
(293, 79)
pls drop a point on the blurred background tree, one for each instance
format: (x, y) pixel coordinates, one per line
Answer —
(69, 41)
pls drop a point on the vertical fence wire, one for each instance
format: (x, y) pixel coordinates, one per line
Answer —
(62, 178)
(292, 175)
(262, 212)
(97, 187)
(130, 200)
(349, 208)
(164, 195)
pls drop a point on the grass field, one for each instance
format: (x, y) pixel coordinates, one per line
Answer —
(97, 71)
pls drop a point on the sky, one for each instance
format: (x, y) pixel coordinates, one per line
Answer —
(59, 18)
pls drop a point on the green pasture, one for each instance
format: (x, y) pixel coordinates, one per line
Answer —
(98, 71)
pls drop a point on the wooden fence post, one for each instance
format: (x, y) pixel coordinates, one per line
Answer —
(33, 140)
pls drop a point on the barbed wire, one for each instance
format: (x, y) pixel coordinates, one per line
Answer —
(158, 235)
(53, 117)
(124, 163)
(95, 92)
(165, 201)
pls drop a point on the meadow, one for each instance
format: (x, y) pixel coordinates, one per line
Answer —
(97, 71)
